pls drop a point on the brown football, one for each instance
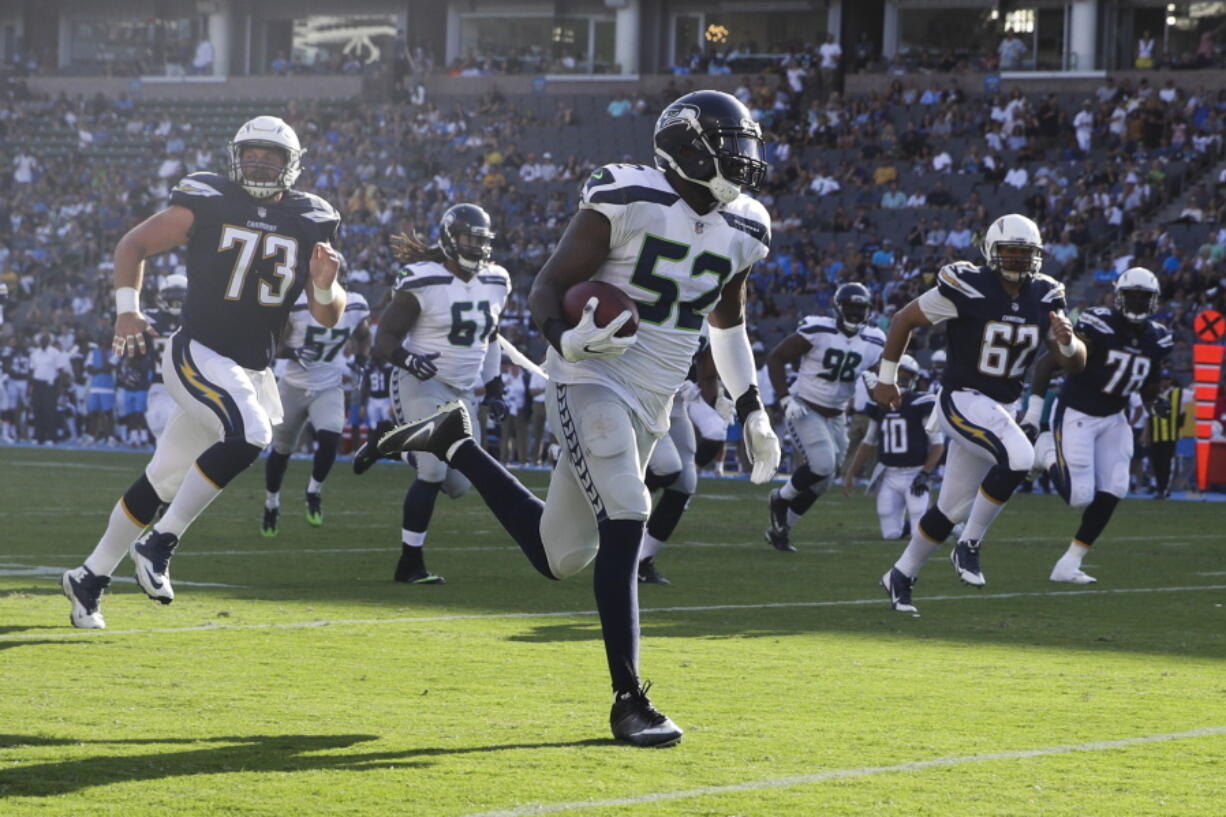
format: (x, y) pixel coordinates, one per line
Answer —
(612, 302)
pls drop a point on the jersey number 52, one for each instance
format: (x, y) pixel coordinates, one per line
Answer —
(668, 290)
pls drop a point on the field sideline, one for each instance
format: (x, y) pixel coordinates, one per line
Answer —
(292, 676)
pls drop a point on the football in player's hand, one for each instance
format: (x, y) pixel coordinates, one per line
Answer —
(611, 303)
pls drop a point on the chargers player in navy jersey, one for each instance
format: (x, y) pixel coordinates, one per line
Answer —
(679, 239)
(1089, 447)
(996, 317)
(253, 245)
(910, 450)
(165, 322)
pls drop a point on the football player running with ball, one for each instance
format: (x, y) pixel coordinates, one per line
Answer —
(679, 239)
(254, 244)
(996, 317)
(440, 332)
(832, 353)
(311, 389)
(1089, 447)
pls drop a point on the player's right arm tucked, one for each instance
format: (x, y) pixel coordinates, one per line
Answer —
(904, 322)
(157, 234)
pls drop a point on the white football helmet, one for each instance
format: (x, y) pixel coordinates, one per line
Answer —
(172, 293)
(1136, 294)
(269, 132)
(909, 366)
(1014, 231)
(937, 361)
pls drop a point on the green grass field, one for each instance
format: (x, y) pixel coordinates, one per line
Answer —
(298, 679)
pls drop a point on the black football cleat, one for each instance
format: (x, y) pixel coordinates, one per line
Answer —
(648, 573)
(85, 590)
(314, 509)
(435, 433)
(151, 556)
(419, 577)
(634, 720)
(777, 533)
(965, 559)
(368, 453)
(898, 585)
(268, 528)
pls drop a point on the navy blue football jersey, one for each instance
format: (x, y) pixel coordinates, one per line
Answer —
(379, 379)
(165, 324)
(247, 262)
(995, 336)
(902, 440)
(1123, 356)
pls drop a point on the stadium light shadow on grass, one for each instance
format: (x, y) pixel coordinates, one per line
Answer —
(255, 753)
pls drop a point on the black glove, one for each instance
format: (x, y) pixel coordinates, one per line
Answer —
(1031, 431)
(493, 400)
(1161, 407)
(420, 366)
(919, 485)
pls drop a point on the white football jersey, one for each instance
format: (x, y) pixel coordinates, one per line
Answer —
(834, 362)
(457, 318)
(674, 264)
(327, 344)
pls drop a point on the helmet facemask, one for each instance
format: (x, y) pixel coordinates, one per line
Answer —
(469, 246)
(1015, 260)
(1136, 304)
(262, 179)
(727, 161)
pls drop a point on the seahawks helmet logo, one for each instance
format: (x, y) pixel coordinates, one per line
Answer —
(680, 114)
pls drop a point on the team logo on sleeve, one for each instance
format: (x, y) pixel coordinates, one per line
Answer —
(195, 187)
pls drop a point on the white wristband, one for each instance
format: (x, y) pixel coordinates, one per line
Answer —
(1034, 410)
(127, 299)
(887, 372)
(324, 296)
(1067, 349)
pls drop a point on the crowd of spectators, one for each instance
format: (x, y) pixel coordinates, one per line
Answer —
(882, 188)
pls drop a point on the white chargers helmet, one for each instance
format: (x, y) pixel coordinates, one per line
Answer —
(266, 132)
(937, 361)
(910, 367)
(1013, 247)
(1136, 294)
(172, 293)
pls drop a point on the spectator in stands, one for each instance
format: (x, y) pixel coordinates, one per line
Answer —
(1145, 51)
(893, 198)
(619, 107)
(939, 196)
(960, 236)
(831, 60)
(1017, 176)
(1083, 123)
(1011, 51)
(1063, 253)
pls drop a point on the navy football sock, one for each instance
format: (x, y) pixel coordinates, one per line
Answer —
(617, 598)
(666, 514)
(515, 506)
(1096, 516)
(325, 454)
(274, 471)
(419, 505)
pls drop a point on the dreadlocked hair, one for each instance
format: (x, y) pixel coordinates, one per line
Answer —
(410, 249)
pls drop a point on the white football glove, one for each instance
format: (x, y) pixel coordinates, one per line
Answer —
(587, 340)
(689, 391)
(793, 408)
(762, 446)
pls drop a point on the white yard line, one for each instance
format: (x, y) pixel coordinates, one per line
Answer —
(805, 547)
(705, 608)
(844, 774)
(43, 570)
